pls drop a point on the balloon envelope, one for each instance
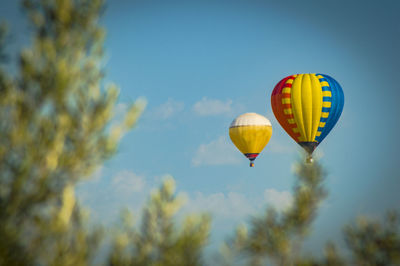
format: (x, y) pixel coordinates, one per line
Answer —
(307, 106)
(250, 133)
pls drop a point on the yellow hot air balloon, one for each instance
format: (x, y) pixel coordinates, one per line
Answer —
(307, 106)
(250, 133)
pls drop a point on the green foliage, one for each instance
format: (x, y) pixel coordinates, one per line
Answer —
(159, 241)
(374, 243)
(331, 258)
(278, 236)
(54, 131)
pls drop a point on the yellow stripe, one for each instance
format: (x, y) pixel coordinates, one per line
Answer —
(286, 90)
(297, 104)
(286, 100)
(289, 81)
(322, 124)
(287, 111)
(326, 104)
(291, 121)
(327, 94)
(320, 76)
(307, 102)
(319, 133)
(295, 130)
(325, 114)
(324, 83)
(316, 106)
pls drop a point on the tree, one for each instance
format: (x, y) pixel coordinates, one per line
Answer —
(54, 131)
(375, 243)
(276, 238)
(159, 241)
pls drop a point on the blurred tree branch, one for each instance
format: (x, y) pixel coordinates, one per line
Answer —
(375, 243)
(277, 237)
(54, 131)
(159, 241)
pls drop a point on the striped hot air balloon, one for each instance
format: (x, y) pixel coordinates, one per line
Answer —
(250, 133)
(307, 106)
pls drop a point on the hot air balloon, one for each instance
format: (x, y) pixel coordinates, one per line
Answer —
(307, 106)
(250, 133)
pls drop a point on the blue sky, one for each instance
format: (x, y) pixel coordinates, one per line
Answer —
(200, 64)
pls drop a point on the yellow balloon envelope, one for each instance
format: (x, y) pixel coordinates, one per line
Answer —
(250, 133)
(307, 106)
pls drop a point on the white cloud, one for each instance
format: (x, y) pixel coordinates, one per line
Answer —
(232, 208)
(221, 206)
(106, 198)
(168, 109)
(281, 200)
(207, 107)
(217, 152)
(127, 182)
(234, 205)
(128, 189)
